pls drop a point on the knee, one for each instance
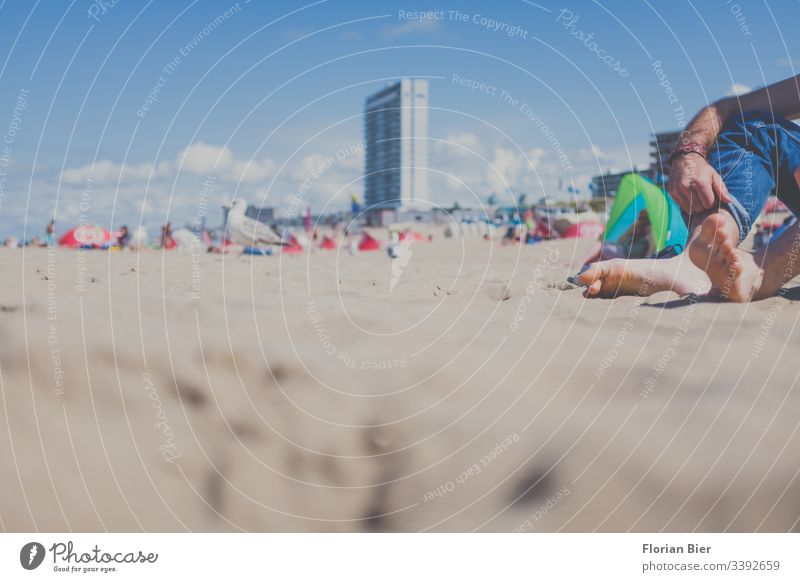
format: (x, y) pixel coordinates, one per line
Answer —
(757, 119)
(751, 130)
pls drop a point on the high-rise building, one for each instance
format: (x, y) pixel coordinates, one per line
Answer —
(662, 145)
(606, 185)
(396, 141)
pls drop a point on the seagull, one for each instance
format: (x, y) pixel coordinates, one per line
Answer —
(247, 231)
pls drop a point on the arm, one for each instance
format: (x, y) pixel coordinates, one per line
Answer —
(693, 183)
(782, 98)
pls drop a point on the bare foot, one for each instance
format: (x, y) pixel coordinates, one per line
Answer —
(733, 273)
(777, 262)
(642, 277)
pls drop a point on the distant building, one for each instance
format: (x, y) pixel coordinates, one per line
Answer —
(606, 185)
(662, 145)
(395, 136)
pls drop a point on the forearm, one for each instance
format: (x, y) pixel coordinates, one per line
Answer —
(706, 125)
(782, 98)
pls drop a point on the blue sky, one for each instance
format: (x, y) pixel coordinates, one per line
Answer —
(262, 95)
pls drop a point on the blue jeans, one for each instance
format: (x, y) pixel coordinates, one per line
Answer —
(756, 155)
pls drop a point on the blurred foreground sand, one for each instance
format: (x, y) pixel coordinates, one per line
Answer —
(166, 392)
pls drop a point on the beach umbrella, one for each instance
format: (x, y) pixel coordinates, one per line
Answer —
(413, 235)
(293, 246)
(327, 243)
(368, 243)
(85, 236)
(583, 230)
(544, 228)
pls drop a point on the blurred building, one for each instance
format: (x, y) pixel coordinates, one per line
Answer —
(396, 140)
(661, 146)
(606, 185)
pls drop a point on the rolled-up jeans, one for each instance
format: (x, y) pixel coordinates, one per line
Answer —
(756, 154)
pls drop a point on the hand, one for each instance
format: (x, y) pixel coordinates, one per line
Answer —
(694, 185)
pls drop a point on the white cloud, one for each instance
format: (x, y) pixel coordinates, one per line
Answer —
(199, 159)
(252, 172)
(738, 89)
(507, 167)
(202, 158)
(426, 26)
(467, 142)
(108, 172)
(499, 168)
(324, 178)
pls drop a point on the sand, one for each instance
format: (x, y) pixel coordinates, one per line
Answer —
(172, 392)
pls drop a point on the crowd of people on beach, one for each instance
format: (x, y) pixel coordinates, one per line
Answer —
(735, 157)
(95, 237)
(228, 239)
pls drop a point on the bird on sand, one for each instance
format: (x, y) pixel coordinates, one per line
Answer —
(248, 231)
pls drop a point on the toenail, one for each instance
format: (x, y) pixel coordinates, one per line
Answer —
(574, 278)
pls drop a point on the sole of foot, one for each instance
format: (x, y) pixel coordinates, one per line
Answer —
(733, 273)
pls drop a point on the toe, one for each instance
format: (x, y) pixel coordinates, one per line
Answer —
(594, 288)
(590, 275)
(736, 266)
(727, 250)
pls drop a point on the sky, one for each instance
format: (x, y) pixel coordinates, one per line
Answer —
(115, 111)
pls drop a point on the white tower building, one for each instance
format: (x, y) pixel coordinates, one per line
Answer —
(396, 140)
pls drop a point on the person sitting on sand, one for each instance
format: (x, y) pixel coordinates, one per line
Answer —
(512, 234)
(635, 243)
(756, 152)
(637, 240)
(123, 237)
(167, 242)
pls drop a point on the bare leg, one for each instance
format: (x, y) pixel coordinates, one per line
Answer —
(647, 276)
(713, 249)
(738, 275)
(776, 265)
(753, 276)
(643, 277)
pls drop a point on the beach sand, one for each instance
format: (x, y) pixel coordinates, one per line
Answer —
(473, 389)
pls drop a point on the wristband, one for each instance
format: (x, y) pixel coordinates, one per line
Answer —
(688, 148)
